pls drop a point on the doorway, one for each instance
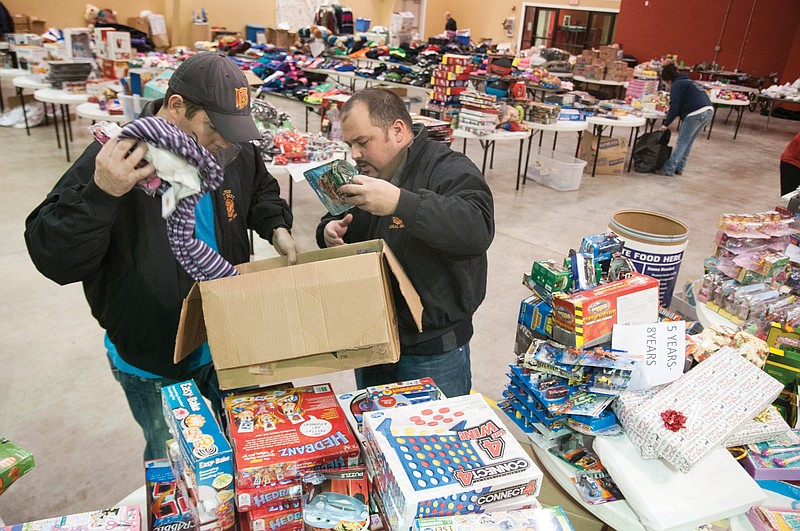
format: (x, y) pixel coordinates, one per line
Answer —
(417, 8)
(567, 28)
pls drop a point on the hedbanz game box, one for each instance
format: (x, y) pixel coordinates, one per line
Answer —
(278, 434)
(447, 457)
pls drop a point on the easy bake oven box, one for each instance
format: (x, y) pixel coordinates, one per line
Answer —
(205, 450)
(278, 434)
(586, 318)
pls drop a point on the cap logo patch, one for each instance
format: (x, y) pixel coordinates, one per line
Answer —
(242, 97)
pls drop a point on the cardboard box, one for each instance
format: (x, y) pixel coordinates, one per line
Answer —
(280, 37)
(613, 151)
(139, 23)
(586, 318)
(276, 322)
(119, 46)
(201, 32)
(115, 69)
(37, 25)
(21, 24)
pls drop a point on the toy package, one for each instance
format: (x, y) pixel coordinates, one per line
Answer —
(337, 499)
(284, 520)
(125, 517)
(167, 509)
(778, 459)
(15, 462)
(596, 487)
(325, 180)
(204, 452)
(211, 510)
(278, 434)
(773, 519)
(271, 495)
(545, 519)
(448, 457)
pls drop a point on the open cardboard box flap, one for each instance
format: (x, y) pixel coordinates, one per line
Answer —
(332, 300)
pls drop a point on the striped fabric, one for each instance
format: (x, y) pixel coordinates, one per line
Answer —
(196, 257)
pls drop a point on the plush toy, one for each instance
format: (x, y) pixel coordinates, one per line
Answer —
(91, 13)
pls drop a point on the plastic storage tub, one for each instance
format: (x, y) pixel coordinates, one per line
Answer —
(252, 31)
(556, 170)
(362, 24)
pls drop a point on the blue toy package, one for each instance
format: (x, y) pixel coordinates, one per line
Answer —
(203, 448)
(404, 393)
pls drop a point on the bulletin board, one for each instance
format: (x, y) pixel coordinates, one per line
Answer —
(296, 13)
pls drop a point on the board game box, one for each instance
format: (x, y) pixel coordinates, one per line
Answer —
(448, 457)
(278, 434)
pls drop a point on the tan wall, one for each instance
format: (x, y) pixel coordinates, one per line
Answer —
(378, 11)
(484, 19)
(233, 15)
(69, 13)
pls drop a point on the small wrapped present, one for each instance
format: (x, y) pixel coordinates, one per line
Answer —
(701, 409)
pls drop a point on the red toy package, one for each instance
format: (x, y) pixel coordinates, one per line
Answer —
(271, 495)
(286, 520)
(277, 434)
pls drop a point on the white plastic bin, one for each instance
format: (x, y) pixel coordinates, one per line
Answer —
(132, 105)
(556, 170)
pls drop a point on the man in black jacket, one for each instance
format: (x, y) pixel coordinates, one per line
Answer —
(95, 228)
(434, 209)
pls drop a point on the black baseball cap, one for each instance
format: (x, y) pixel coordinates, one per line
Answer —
(212, 81)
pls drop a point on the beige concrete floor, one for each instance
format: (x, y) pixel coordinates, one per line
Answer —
(59, 400)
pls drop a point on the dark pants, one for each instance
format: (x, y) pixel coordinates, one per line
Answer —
(144, 399)
(790, 177)
(452, 371)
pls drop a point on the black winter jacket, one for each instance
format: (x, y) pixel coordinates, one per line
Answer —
(440, 232)
(118, 249)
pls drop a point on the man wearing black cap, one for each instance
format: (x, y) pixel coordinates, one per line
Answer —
(95, 228)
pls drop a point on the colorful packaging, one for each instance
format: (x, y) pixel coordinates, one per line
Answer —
(203, 449)
(280, 433)
(273, 494)
(449, 457)
(778, 459)
(404, 393)
(337, 499)
(15, 462)
(167, 509)
(545, 519)
(586, 318)
(286, 520)
(125, 517)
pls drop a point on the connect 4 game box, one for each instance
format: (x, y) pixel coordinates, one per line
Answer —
(277, 434)
(448, 457)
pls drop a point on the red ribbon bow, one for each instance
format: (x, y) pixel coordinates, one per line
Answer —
(673, 420)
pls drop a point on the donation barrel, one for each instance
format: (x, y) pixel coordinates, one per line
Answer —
(655, 243)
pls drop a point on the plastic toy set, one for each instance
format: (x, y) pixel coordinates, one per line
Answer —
(204, 456)
(447, 457)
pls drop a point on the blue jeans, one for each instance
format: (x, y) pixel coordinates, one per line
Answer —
(144, 399)
(452, 371)
(691, 127)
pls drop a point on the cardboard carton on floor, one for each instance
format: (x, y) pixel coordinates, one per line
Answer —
(332, 311)
(613, 151)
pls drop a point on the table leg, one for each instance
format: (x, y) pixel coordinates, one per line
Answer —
(69, 122)
(769, 114)
(528, 158)
(630, 137)
(24, 112)
(555, 140)
(711, 126)
(630, 162)
(519, 160)
(464, 149)
(578, 147)
(491, 160)
(740, 111)
(598, 130)
(485, 144)
(306, 119)
(55, 123)
(730, 109)
(64, 122)
(541, 137)
(252, 248)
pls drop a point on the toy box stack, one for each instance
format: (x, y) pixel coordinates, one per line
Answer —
(638, 87)
(277, 435)
(203, 459)
(479, 114)
(452, 456)
(602, 64)
(167, 508)
(449, 80)
(114, 52)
